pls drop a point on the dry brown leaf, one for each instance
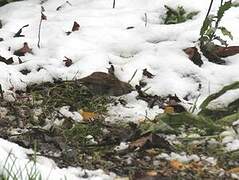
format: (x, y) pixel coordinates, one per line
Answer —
(177, 165)
(151, 140)
(234, 170)
(75, 27)
(6, 61)
(22, 51)
(43, 16)
(194, 55)
(226, 51)
(68, 62)
(148, 74)
(169, 110)
(88, 116)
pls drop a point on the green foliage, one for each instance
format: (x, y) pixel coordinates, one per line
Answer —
(226, 115)
(78, 134)
(186, 119)
(232, 86)
(11, 170)
(211, 26)
(178, 15)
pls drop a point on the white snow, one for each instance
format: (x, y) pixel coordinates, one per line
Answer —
(76, 116)
(122, 146)
(15, 158)
(185, 158)
(233, 145)
(103, 37)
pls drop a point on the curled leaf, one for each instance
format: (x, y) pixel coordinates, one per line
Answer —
(22, 51)
(6, 61)
(75, 27)
(43, 16)
(147, 74)
(68, 62)
(18, 34)
(88, 116)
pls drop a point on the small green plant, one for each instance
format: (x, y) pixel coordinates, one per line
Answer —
(10, 169)
(211, 27)
(178, 15)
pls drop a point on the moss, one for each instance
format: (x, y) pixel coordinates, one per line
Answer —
(51, 96)
(78, 133)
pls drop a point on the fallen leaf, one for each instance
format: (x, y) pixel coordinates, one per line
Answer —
(151, 140)
(130, 27)
(75, 27)
(18, 34)
(22, 51)
(68, 61)
(234, 170)
(226, 51)
(169, 109)
(6, 61)
(19, 60)
(88, 116)
(25, 71)
(148, 74)
(194, 55)
(211, 55)
(177, 165)
(63, 5)
(43, 16)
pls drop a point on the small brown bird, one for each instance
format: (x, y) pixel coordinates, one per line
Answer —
(101, 83)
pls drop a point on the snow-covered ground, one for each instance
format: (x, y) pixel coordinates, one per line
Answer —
(103, 37)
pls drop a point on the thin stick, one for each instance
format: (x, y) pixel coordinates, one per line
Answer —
(39, 34)
(208, 12)
(1, 91)
(113, 4)
(43, 17)
(209, 9)
(221, 2)
(146, 19)
(133, 76)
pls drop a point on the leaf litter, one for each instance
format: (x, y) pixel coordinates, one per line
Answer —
(35, 118)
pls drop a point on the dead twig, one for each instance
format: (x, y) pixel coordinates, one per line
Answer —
(146, 19)
(43, 17)
(113, 4)
(133, 76)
